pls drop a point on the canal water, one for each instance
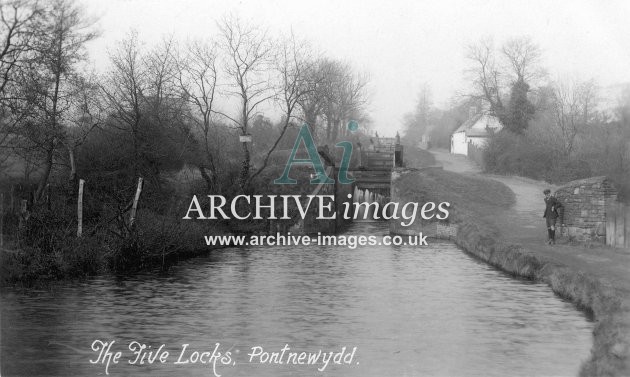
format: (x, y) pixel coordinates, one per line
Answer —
(404, 311)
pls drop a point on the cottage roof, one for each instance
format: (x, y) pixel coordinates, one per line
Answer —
(479, 124)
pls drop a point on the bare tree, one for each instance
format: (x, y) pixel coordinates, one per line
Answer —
(523, 59)
(148, 96)
(85, 116)
(330, 91)
(163, 88)
(512, 70)
(486, 77)
(123, 89)
(248, 56)
(197, 77)
(47, 81)
(353, 98)
(293, 66)
(21, 22)
(20, 26)
(343, 93)
(573, 108)
(312, 103)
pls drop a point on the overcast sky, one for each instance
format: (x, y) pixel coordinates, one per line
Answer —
(400, 44)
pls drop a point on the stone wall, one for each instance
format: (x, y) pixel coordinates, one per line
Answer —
(585, 203)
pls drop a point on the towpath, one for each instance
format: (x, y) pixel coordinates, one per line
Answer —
(523, 224)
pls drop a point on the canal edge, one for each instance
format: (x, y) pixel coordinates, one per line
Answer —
(611, 335)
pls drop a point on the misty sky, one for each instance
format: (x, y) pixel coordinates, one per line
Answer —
(401, 44)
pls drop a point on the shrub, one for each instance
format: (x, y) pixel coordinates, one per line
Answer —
(158, 239)
(77, 257)
(527, 156)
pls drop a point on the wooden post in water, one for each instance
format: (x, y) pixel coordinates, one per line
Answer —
(134, 207)
(80, 209)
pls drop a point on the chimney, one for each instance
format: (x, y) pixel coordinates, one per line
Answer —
(472, 111)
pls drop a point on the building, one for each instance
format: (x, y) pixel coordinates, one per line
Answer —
(586, 205)
(476, 130)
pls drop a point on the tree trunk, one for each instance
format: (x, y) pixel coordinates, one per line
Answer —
(244, 167)
(136, 152)
(335, 131)
(47, 169)
(73, 165)
(328, 128)
(311, 120)
(206, 178)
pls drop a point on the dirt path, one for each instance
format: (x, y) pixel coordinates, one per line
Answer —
(523, 224)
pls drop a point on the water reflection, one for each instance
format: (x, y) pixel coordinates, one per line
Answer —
(409, 311)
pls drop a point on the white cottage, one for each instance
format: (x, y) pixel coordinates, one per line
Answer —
(476, 130)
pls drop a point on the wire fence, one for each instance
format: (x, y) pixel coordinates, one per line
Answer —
(78, 205)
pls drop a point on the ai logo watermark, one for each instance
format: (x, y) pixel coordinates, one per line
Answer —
(313, 159)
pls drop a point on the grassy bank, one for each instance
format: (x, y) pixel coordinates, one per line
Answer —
(50, 249)
(611, 336)
(478, 205)
(417, 157)
(46, 247)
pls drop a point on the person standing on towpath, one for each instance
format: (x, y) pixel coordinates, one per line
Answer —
(552, 205)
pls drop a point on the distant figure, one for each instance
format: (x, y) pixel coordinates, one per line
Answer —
(551, 215)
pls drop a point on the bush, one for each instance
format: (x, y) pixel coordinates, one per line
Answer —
(48, 230)
(76, 258)
(570, 170)
(508, 153)
(158, 239)
(48, 247)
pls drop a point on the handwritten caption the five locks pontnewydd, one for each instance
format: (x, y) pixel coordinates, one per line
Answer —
(109, 354)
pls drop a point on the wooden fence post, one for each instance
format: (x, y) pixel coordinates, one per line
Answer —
(80, 209)
(1, 220)
(134, 207)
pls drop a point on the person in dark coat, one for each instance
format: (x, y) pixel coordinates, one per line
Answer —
(552, 206)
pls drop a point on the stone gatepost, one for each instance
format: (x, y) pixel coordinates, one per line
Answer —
(585, 204)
